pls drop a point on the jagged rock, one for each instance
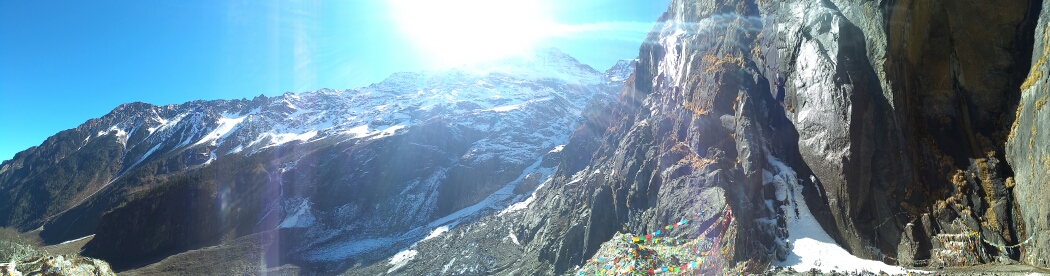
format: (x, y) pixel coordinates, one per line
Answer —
(62, 266)
(908, 246)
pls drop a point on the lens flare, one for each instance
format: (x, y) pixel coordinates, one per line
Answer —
(458, 32)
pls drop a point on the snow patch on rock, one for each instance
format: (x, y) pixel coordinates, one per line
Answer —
(811, 246)
(523, 204)
(436, 232)
(76, 240)
(301, 218)
(401, 259)
(513, 238)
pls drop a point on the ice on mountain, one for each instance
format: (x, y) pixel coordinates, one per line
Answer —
(226, 124)
(437, 232)
(120, 134)
(391, 130)
(525, 203)
(513, 238)
(401, 259)
(343, 250)
(301, 218)
(358, 131)
(236, 149)
(505, 108)
(282, 138)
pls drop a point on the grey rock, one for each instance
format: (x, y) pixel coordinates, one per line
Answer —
(1028, 152)
(908, 246)
(832, 90)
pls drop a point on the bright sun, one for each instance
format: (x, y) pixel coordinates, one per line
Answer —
(453, 32)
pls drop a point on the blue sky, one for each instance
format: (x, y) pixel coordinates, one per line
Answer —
(64, 62)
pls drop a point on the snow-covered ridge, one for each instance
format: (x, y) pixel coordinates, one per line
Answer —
(508, 116)
(382, 109)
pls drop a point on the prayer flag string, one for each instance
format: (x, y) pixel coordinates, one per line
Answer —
(656, 253)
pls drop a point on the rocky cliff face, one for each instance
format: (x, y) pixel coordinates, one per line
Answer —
(1028, 151)
(914, 127)
(913, 132)
(903, 110)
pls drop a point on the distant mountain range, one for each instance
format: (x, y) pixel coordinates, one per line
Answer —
(350, 172)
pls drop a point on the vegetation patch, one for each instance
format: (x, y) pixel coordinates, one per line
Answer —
(1036, 73)
(1017, 121)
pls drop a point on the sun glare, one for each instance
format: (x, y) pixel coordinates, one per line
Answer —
(454, 32)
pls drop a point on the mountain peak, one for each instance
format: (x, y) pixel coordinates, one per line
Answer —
(621, 70)
(546, 63)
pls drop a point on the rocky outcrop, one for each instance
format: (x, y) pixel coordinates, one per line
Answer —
(695, 131)
(59, 265)
(1028, 151)
(846, 131)
(23, 258)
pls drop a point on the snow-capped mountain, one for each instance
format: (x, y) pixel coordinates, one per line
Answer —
(621, 70)
(344, 172)
(217, 128)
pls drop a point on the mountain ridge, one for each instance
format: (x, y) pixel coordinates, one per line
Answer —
(505, 121)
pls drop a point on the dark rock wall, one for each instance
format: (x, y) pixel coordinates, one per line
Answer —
(903, 110)
(846, 129)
